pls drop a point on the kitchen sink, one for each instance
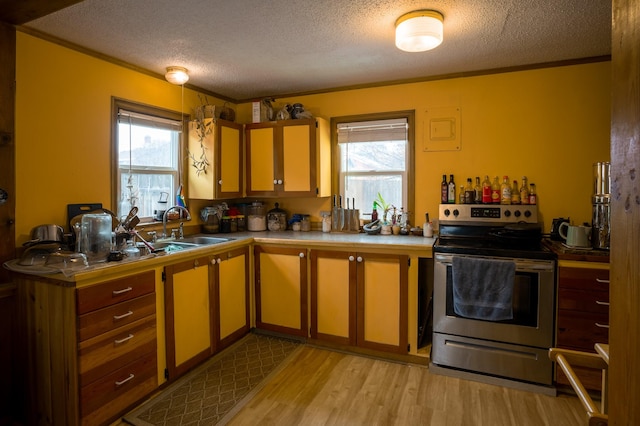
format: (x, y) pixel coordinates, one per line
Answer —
(203, 240)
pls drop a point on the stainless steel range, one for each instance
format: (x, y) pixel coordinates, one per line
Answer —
(494, 297)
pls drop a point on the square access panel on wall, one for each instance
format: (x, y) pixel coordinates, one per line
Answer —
(442, 129)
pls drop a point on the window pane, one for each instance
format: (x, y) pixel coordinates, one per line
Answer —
(379, 156)
(150, 147)
(365, 188)
(146, 192)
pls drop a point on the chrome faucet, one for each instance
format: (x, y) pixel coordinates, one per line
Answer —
(164, 218)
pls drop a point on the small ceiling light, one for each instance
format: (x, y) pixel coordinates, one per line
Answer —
(177, 75)
(419, 31)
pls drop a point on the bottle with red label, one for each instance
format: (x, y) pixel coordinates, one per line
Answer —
(486, 190)
(495, 191)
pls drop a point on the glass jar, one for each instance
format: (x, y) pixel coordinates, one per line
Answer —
(257, 220)
(242, 225)
(326, 221)
(225, 224)
(305, 223)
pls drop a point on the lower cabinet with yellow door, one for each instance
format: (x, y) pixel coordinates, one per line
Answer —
(360, 299)
(189, 320)
(281, 289)
(232, 295)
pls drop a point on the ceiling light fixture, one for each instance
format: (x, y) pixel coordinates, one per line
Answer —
(419, 31)
(177, 75)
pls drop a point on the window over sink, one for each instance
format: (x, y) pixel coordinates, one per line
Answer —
(375, 155)
(147, 157)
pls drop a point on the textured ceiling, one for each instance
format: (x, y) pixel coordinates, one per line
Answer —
(245, 49)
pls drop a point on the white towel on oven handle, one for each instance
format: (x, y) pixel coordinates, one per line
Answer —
(483, 288)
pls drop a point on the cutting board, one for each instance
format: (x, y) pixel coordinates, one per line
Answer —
(74, 210)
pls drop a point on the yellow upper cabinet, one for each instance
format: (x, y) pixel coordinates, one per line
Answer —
(222, 146)
(289, 158)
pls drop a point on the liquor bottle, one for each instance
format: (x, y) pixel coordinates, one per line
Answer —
(486, 190)
(468, 192)
(533, 197)
(505, 191)
(374, 212)
(495, 191)
(477, 192)
(451, 193)
(462, 199)
(515, 193)
(444, 190)
(524, 191)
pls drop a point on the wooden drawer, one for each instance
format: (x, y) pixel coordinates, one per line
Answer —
(118, 315)
(111, 292)
(581, 331)
(108, 397)
(105, 353)
(585, 279)
(582, 300)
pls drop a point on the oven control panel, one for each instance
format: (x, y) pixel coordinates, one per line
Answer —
(481, 213)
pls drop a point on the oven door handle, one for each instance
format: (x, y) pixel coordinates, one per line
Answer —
(522, 265)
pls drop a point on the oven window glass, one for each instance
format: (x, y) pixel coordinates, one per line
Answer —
(525, 298)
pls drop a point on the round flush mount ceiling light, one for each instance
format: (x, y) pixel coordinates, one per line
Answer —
(177, 75)
(419, 31)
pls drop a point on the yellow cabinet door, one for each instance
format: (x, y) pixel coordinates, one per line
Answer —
(281, 289)
(222, 148)
(232, 295)
(382, 301)
(188, 302)
(261, 151)
(290, 158)
(333, 296)
(360, 299)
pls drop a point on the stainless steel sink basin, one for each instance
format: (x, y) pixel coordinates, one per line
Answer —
(170, 246)
(203, 240)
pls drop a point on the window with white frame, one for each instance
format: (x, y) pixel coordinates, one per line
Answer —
(147, 158)
(375, 158)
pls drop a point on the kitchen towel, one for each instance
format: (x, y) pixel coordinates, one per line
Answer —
(483, 288)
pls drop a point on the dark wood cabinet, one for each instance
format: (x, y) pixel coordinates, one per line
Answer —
(583, 315)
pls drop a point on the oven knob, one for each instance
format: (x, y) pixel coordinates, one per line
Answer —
(447, 212)
(516, 213)
(507, 213)
(527, 213)
(456, 212)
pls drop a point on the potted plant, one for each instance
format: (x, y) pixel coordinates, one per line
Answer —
(386, 207)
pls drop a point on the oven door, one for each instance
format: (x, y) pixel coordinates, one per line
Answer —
(533, 305)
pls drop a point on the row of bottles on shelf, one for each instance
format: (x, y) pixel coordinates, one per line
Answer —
(488, 192)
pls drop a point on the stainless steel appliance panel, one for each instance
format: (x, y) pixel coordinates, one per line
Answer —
(499, 359)
(539, 334)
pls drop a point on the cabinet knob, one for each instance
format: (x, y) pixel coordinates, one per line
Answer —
(279, 181)
(359, 259)
(218, 261)
(196, 263)
(351, 258)
(275, 181)
(301, 255)
(220, 182)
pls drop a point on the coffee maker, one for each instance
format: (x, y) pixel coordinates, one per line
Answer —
(601, 218)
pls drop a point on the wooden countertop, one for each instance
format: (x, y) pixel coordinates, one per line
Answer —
(566, 253)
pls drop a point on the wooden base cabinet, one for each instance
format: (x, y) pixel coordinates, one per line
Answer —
(281, 289)
(189, 318)
(232, 295)
(360, 299)
(583, 315)
(89, 353)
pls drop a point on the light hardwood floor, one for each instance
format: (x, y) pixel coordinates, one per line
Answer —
(323, 387)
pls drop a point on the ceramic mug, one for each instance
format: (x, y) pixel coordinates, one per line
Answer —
(575, 236)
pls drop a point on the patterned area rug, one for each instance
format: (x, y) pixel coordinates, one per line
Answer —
(214, 391)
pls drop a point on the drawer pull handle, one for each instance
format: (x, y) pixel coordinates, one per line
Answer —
(602, 325)
(119, 317)
(118, 341)
(599, 302)
(122, 382)
(124, 290)
(601, 281)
